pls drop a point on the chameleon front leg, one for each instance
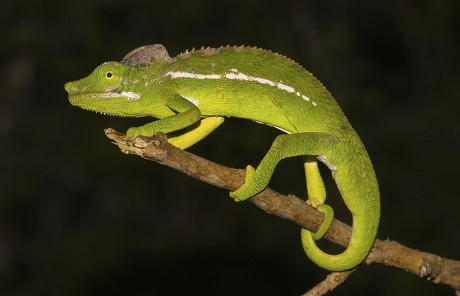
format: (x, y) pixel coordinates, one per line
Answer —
(196, 132)
(186, 114)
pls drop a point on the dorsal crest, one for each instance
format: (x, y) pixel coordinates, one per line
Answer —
(146, 55)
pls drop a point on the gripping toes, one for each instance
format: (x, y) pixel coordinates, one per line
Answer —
(248, 189)
(132, 133)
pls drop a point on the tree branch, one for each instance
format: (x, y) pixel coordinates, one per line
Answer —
(331, 282)
(425, 265)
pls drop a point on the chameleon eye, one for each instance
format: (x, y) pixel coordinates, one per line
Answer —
(108, 76)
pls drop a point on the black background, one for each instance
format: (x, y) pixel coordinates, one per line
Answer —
(77, 217)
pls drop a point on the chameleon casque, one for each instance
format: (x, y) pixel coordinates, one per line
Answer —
(191, 95)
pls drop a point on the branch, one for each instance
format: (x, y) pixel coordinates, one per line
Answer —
(331, 282)
(425, 265)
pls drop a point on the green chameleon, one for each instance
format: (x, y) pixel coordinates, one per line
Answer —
(191, 95)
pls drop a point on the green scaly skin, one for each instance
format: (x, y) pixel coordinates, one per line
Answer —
(191, 95)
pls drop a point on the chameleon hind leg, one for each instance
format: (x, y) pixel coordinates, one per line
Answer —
(311, 145)
(284, 146)
(317, 196)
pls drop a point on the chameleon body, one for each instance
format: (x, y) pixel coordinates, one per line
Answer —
(191, 94)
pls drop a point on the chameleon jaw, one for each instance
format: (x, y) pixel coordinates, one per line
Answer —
(103, 103)
(130, 96)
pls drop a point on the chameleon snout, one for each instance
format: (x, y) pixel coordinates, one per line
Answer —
(74, 88)
(70, 87)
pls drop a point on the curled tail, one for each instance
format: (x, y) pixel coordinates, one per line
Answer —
(361, 241)
(362, 198)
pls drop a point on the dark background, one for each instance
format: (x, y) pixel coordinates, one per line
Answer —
(77, 217)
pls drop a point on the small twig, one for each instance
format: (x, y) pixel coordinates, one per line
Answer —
(425, 265)
(331, 282)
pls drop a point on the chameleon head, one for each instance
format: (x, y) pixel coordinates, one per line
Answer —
(104, 91)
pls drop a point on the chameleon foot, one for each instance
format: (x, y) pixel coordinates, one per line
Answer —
(328, 217)
(247, 189)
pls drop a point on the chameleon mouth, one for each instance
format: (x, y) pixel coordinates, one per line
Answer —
(98, 102)
(130, 96)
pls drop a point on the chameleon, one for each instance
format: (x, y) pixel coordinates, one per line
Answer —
(191, 94)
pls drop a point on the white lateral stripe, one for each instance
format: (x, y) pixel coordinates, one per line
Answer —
(236, 75)
(277, 127)
(244, 77)
(175, 75)
(129, 95)
(191, 100)
(285, 87)
(327, 163)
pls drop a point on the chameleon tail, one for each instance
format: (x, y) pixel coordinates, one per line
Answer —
(365, 224)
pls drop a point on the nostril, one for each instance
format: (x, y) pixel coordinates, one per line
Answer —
(71, 88)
